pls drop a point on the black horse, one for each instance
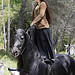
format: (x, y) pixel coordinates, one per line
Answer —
(30, 62)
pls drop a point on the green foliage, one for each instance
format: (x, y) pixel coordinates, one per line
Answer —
(14, 13)
(8, 60)
(15, 2)
(1, 39)
(5, 2)
(27, 18)
(73, 41)
(65, 41)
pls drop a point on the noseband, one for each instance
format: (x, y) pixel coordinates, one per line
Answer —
(21, 49)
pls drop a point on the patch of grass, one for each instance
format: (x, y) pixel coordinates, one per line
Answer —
(2, 53)
(8, 60)
(62, 52)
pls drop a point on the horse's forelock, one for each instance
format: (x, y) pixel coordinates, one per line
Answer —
(20, 32)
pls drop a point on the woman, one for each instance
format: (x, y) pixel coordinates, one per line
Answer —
(41, 20)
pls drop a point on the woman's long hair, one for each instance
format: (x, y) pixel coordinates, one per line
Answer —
(48, 13)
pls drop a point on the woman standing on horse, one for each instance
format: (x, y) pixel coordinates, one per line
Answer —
(42, 19)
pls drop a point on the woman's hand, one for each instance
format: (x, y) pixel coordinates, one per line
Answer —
(31, 24)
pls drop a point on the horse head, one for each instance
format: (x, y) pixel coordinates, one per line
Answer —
(19, 41)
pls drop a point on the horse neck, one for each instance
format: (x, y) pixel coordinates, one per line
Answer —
(31, 53)
(30, 46)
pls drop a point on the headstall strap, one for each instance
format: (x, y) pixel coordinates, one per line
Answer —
(23, 51)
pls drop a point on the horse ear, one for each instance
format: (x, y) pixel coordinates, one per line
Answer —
(15, 30)
(27, 30)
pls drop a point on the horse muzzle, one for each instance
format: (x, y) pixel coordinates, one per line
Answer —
(15, 52)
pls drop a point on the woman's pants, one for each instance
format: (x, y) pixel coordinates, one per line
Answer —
(42, 39)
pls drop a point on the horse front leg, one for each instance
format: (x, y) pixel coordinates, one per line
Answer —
(23, 72)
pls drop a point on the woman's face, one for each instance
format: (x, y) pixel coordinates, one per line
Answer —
(37, 0)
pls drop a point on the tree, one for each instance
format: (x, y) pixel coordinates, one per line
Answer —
(25, 14)
(21, 14)
(71, 13)
(61, 10)
(3, 27)
(8, 29)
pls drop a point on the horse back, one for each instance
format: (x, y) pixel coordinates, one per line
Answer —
(68, 63)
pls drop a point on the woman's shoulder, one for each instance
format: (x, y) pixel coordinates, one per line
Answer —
(43, 3)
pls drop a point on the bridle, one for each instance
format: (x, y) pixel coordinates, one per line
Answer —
(21, 48)
(22, 51)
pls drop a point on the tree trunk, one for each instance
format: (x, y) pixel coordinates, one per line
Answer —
(55, 38)
(8, 29)
(21, 14)
(61, 39)
(69, 41)
(64, 31)
(4, 28)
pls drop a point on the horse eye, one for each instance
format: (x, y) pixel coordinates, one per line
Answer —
(22, 37)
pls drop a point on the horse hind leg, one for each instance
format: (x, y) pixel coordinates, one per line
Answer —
(72, 66)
